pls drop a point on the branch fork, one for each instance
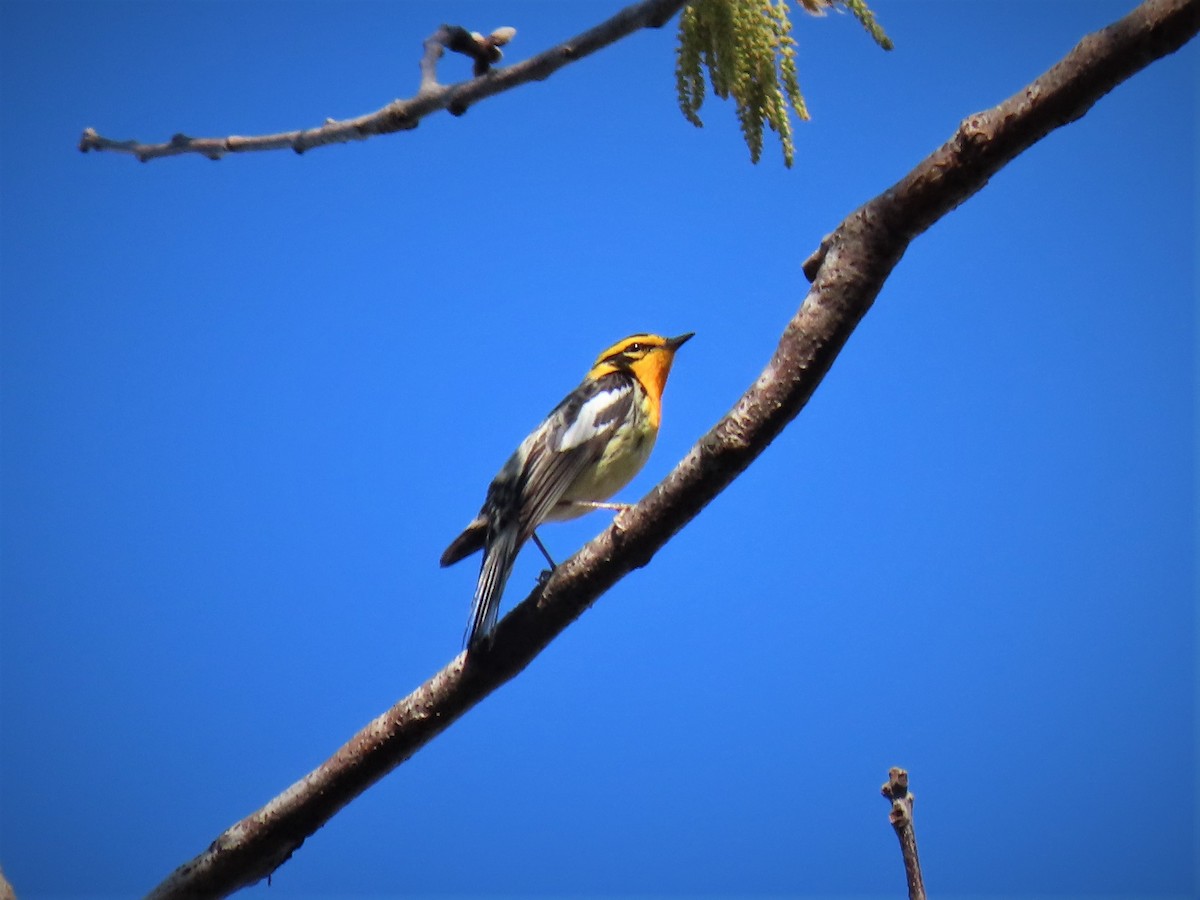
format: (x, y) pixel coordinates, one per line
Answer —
(485, 51)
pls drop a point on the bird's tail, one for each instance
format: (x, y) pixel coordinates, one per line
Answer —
(498, 560)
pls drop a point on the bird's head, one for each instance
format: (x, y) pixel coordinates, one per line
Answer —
(647, 356)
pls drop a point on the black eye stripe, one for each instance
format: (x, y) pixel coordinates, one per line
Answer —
(630, 353)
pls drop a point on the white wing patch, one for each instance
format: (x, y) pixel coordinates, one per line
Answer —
(594, 418)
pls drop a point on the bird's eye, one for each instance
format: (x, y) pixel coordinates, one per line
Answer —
(636, 348)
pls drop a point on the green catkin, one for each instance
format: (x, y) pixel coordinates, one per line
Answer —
(747, 49)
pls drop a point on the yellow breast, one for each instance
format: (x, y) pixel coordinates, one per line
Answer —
(623, 457)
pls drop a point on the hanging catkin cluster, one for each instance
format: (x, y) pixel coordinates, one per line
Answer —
(748, 50)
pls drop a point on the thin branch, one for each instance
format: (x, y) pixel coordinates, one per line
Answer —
(404, 115)
(896, 790)
(847, 274)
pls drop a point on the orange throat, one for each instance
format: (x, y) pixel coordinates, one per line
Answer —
(652, 372)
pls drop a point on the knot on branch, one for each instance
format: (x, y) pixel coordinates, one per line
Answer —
(974, 132)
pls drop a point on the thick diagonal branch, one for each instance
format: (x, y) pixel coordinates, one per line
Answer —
(404, 115)
(847, 274)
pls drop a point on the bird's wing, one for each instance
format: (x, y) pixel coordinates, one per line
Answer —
(572, 438)
(546, 464)
(534, 479)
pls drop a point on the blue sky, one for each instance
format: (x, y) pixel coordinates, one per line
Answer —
(246, 404)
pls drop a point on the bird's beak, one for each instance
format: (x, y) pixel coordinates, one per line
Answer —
(676, 342)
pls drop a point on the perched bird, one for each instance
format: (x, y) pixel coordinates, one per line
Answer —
(588, 448)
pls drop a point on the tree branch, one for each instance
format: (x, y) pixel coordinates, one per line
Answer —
(896, 790)
(404, 115)
(847, 272)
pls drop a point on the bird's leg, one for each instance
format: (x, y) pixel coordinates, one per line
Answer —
(545, 552)
(545, 576)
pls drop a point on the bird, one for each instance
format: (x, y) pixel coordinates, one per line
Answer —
(587, 449)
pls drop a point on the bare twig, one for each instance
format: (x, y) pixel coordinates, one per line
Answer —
(847, 273)
(404, 115)
(896, 790)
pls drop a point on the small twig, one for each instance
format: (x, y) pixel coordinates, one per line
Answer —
(901, 817)
(431, 97)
